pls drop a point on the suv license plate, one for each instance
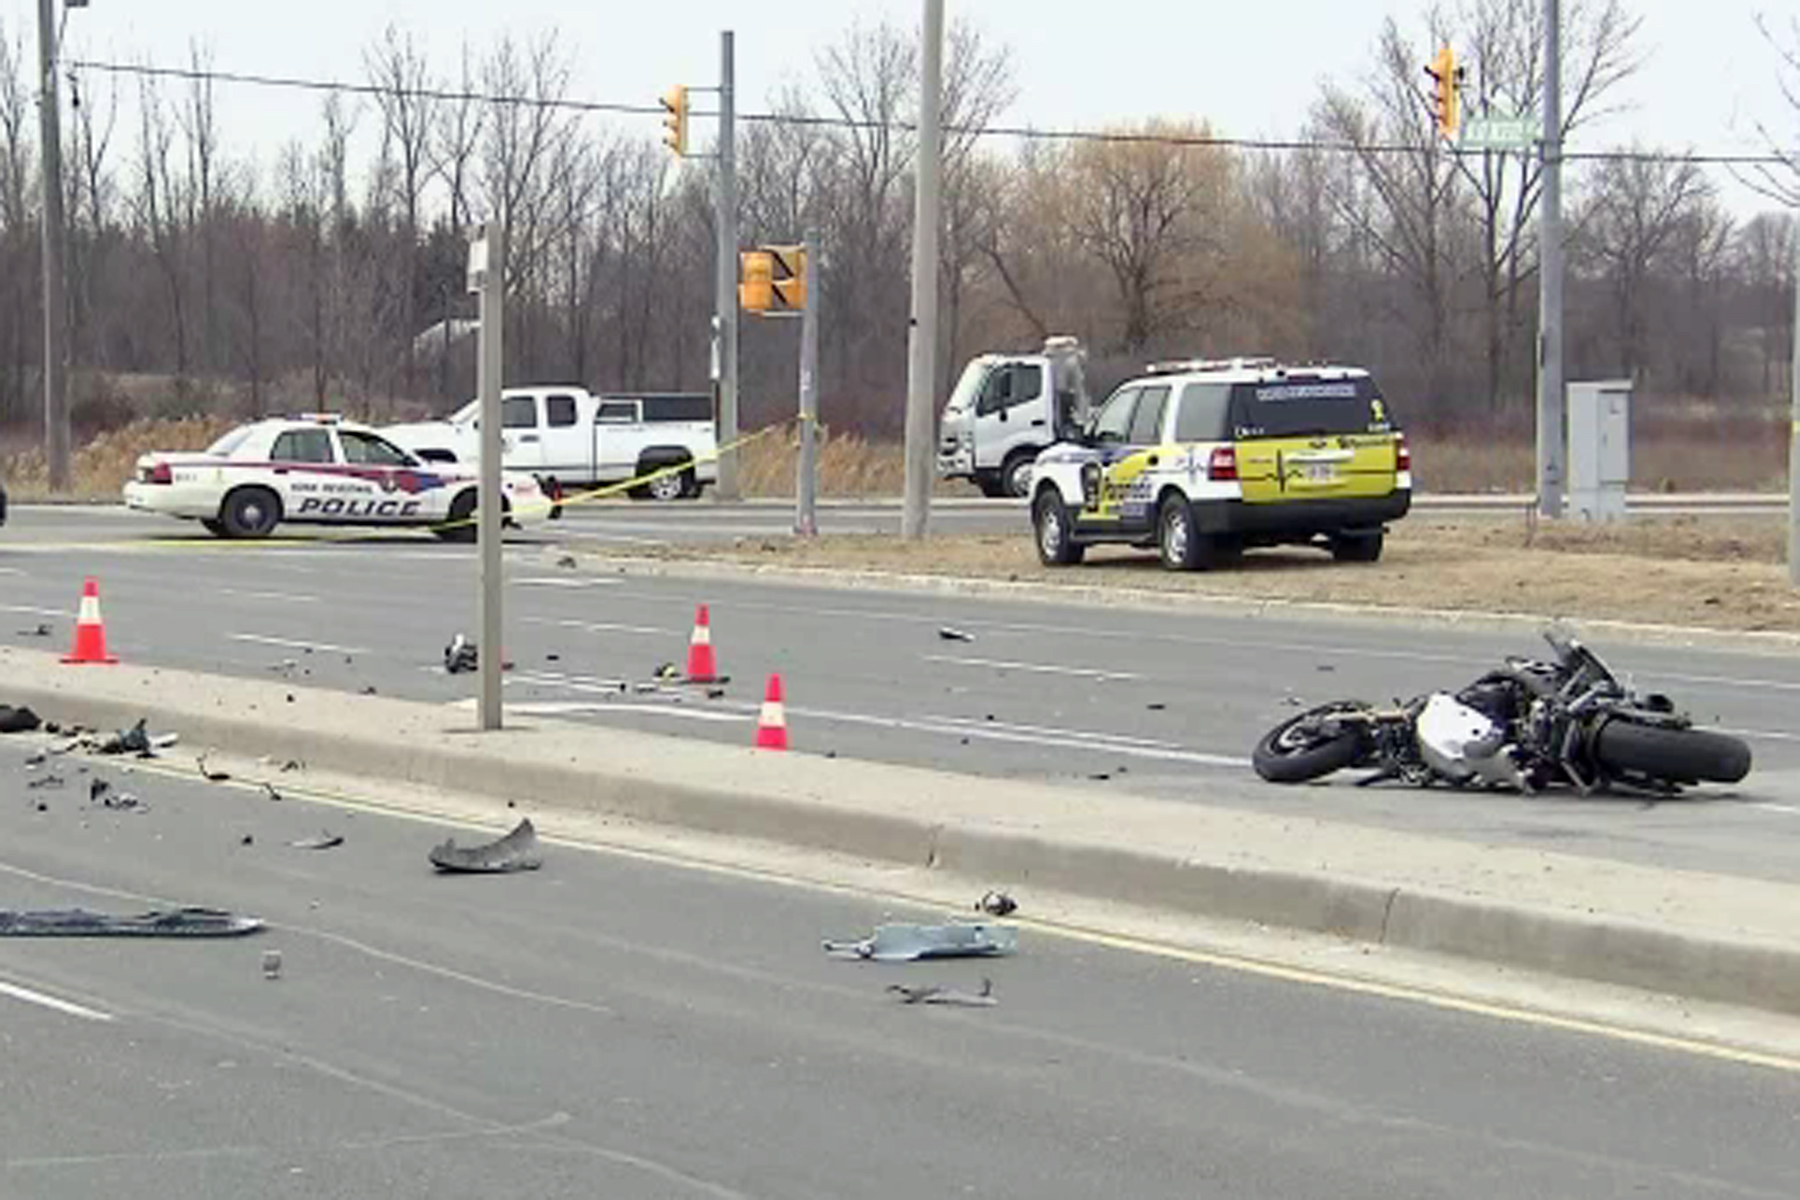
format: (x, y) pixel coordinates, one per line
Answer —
(1321, 472)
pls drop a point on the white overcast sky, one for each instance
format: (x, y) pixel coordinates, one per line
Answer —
(1249, 66)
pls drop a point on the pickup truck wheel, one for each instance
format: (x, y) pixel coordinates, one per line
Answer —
(1056, 544)
(250, 512)
(1015, 475)
(671, 486)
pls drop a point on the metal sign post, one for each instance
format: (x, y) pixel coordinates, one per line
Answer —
(1551, 402)
(806, 486)
(487, 276)
(1794, 432)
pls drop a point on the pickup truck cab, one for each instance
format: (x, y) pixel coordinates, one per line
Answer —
(571, 438)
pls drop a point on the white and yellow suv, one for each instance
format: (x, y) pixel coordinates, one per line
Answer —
(1202, 459)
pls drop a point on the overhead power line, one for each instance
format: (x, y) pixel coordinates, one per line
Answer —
(1020, 132)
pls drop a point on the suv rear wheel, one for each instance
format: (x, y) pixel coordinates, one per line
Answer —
(1183, 547)
(1363, 547)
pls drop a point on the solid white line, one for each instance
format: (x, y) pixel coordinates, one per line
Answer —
(291, 597)
(1040, 668)
(554, 581)
(972, 723)
(579, 707)
(28, 610)
(1059, 739)
(291, 644)
(10, 571)
(1787, 809)
(1759, 733)
(604, 627)
(62, 1006)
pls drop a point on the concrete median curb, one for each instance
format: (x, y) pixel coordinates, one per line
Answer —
(1707, 937)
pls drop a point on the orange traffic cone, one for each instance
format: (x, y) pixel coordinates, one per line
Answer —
(771, 725)
(90, 630)
(701, 668)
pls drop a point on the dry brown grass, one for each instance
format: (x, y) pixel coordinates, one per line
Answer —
(102, 466)
(849, 468)
(1723, 573)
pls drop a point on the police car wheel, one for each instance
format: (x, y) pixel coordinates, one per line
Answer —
(1056, 544)
(250, 512)
(460, 526)
(216, 528)
(1183, 547)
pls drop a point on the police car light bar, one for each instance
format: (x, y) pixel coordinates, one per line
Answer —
(321, 418)
(1175, 366)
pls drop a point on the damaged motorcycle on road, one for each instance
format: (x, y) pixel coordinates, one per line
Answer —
(1528, 726)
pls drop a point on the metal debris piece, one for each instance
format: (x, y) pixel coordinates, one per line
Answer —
(45, 781)
(997, 904)
(567, 562)
(905, 942)
(127, 741)
(211, 776)
(36, 759)
(80, 922)
(931, 994)
(269, 788)
(1156, 706)
(97, 789)
(667, 670)
(325, 841)
(461, 655)
(293, 764)
(271, 961)
(124, 802)
(517, 851)
(41, 631)
(948, 634)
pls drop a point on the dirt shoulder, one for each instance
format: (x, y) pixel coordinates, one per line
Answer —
(1719, 573)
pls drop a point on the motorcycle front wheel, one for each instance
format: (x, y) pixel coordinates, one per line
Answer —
(1676, 755)
(1300, 749)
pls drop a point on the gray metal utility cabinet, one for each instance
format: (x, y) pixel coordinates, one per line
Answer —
(1599, 449)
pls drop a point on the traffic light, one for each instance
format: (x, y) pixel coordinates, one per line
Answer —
(756, 271)
(675, 119)
(790, 278)
(1446, 101)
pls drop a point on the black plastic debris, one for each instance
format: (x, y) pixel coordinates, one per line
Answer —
(517, 851)
(461, 655)
(369, 690)
(45, 781)
(1156, 706)
(292, 764)
(567, 562)
(667, 670)
(997, 904)
(80, 922)
(325, 841)
(135, 740)
(946, 633)
(97, 790)
(18, 720)
(210, 775)
(249, 839)
(123, 802)
(932, 994)
(41, 631)
(269, 790)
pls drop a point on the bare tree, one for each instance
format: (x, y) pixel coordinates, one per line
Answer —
(1781, 181)
(397, 69)
(1765, 249)
(157, 205)
(199, 123)
(1627, 225)
(18, 222)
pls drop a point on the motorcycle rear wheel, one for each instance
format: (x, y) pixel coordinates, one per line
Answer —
(1290, 753)
(1676, 755)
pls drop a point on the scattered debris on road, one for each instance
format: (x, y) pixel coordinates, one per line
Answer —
(905, 942)
(210, 775)
(946, 633)
(517, 851)
(136, 740)
(325, 841)
(1156, 706)
(43, 631)
(461, 655)
(81, 922)
(249, 839)
(932, 994)
(18, 720)
(567, 562)
(97, 789)
(271, 964)
(46, 781)
(269, 790)
(997, 904)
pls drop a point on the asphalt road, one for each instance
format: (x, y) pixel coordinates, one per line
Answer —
(615, 1026)
(1098, 699)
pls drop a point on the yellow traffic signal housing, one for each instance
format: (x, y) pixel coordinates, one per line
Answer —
(675, 119)
(1446, 99)
(790, 277)
(756, 272)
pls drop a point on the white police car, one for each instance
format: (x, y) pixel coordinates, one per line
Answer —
(316, 470)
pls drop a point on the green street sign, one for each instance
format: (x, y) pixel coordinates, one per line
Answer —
(1500, 133)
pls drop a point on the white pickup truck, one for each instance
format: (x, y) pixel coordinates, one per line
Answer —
(571, 439)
